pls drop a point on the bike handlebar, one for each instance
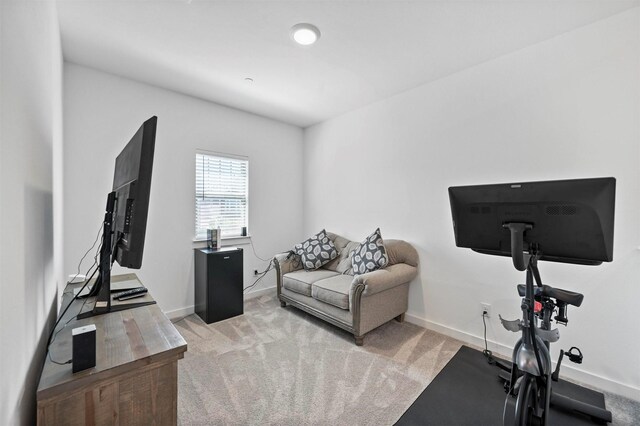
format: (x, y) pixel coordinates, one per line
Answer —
(517, 243)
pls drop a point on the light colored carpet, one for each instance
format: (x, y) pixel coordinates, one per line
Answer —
(285, 367)
(625, 411)
(282, 366)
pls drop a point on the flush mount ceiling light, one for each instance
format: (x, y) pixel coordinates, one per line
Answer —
(305, 34)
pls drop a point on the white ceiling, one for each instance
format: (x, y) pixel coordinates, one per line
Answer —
(368, 51)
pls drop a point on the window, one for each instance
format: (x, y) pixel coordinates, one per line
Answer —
(222, 189)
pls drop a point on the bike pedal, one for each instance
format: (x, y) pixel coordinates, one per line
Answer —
(575, 358)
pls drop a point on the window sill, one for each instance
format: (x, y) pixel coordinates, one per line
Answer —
(227, 241)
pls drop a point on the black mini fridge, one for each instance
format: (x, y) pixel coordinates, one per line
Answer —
(218, 283)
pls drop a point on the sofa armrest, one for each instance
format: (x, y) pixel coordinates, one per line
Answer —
(285, 265)
(384, 279)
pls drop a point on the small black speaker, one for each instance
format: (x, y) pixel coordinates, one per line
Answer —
(84, 347)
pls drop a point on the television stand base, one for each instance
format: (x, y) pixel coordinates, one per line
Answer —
(113, 308)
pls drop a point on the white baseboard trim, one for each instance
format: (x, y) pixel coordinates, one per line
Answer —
(188, 310)
(575, 374)
(258, 293)
(180, 313)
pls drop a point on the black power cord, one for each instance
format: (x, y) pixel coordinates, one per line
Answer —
(53, 334)
(57, 362)
(269, 267)
(486, 352)
(87, 252)
(254, 251)
(262, 274)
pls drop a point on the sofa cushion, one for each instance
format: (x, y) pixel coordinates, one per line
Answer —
(300, 281)
(333, 290)
(370, 254)
(342, 263)
(316, 251)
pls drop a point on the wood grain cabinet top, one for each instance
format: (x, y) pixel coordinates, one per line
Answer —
(135, 377)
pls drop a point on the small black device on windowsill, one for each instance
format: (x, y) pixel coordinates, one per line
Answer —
(130, 294)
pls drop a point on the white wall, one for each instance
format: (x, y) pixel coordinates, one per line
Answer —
(102, 112)
(30, 155)
(565, 108)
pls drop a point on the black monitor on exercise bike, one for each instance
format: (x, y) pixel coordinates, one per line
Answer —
(567, 221)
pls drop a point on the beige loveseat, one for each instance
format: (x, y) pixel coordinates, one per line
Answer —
(357, 303)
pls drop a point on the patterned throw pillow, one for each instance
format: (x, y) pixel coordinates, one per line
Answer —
(316, 251)
(370, 254)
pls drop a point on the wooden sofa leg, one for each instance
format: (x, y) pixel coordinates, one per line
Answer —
(283, 304)
(400, 318)
(359, 340)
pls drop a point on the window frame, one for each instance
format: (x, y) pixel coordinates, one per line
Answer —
(198, 238)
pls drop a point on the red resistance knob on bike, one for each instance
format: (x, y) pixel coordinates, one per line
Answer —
(537, 307)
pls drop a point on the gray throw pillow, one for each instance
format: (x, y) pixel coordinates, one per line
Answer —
(316, 251)
(370, 254)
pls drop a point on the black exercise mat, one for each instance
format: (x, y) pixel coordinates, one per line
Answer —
(468, 392)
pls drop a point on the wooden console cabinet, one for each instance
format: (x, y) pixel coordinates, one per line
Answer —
(135, 380)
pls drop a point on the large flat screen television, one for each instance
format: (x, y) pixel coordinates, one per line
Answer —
(565, 220)
(132, 185)
(125, 219)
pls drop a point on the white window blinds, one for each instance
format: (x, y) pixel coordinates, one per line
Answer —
(222, 189)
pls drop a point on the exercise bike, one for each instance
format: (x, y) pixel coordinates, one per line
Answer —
(566, 221)
(529, 385)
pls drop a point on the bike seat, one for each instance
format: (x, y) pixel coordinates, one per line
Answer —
(568, 297)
